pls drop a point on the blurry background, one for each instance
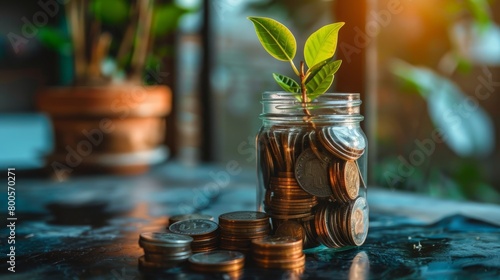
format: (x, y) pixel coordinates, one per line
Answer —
(428, 72)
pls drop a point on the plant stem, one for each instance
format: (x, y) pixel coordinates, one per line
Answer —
(145, 8)
(294, 68)
(303, 89)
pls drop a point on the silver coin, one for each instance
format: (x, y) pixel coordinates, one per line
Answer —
(161, 258)
(219, 257)
(193, 227)
(332, 147)
(165, 238)
(359, 221)
(183, 217)
(347, 140)
(312, 174)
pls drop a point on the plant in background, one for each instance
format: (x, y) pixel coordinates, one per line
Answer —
(319, 51)
(113, 40)
(467, 128)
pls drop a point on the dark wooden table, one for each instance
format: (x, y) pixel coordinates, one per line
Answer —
(88, 228)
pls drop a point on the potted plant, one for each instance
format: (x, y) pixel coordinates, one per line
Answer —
(112, 117)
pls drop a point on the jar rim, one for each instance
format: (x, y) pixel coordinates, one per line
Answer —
(328, 107)
(328, 96)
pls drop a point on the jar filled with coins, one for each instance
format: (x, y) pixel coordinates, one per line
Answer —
(312, 166)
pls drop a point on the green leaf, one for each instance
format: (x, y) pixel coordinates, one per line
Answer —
(287, 83)
(321, 44)
(468, 132)
(55, 39)
(166, 18)
(322, 79)
(481, 11)
(276, 39)
(315, 69)
(110, 11)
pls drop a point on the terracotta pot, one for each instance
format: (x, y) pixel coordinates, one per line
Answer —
(113, 129)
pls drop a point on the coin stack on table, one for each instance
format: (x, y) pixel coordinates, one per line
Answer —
(238, 229)
(217, 261)
(163, 249)
(312, 182)
(281, 252)
(204, 232)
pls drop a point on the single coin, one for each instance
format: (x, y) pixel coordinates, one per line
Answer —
(349, 137)
(217, 257)
(217, 261)
(312, 174)
(161, 258)
(359, 221)
(351, 179)
(165, 238)
(291, 228)
(167, 249)
(183, 217)
(346, 140)
(243, 216)
(194, 227)
(277, 242)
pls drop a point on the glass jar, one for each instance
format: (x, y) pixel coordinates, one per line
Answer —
(311, 168)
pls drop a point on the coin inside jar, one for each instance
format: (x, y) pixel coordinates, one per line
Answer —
(312, 174)
(359, 221)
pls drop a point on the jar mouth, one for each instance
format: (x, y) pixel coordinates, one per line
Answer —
(276, 95)
(330, 105)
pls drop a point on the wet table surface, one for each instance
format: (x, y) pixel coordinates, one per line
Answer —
(88, 228)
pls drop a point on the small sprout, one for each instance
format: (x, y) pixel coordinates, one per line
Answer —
(319, 51)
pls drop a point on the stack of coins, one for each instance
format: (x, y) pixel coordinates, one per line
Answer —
(238, 229)
(163, 249)
(344, 180)
(205, 233)
(183, 217)
(345, 225)
(281, 252)
(286, 201)
(217, 261)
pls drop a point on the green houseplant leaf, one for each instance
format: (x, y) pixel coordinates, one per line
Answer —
(276, 38)
(110, 11)
(322, 79)
(321, 44)
(54, 39)
(287, 83)
(166, 18)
